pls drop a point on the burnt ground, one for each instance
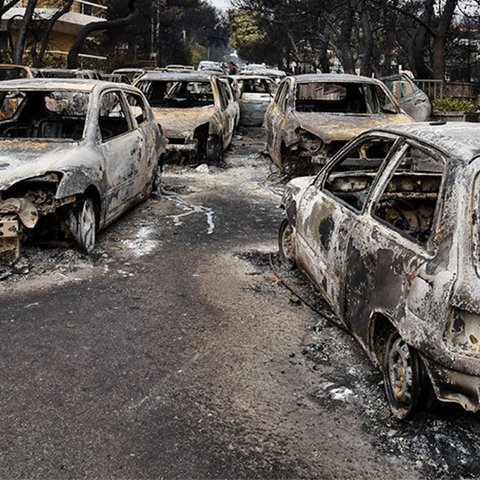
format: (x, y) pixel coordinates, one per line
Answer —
(174, 352)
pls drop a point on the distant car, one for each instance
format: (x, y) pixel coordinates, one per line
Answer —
(12, 72)
(76, 154)
(179, 68)
(410, 97)
(67, 73)
(210, 66)
(256, 93)
(131, 73)
(313, 116)
(276, 75)
(198, 112)
(115, 77)
(389, 232)
(255, 66)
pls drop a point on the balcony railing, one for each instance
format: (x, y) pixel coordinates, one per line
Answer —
(84, 7)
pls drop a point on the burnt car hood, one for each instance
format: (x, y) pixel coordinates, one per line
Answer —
(340, 126)
(182, 122)
(23, 159)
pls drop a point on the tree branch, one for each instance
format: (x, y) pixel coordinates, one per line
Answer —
(72, 61)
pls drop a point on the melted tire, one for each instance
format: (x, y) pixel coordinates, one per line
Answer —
(407, 385)
(286, 245)
(82, 224)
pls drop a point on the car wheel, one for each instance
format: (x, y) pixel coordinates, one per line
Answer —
(406, 383)
(286, 245)
(82, 224)
(214, 150)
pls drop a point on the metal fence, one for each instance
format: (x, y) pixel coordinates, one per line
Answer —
(439, 89)
(433, 88)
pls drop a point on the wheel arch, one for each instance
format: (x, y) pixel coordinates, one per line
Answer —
(379, 329)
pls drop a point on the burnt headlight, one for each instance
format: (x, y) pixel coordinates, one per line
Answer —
(310, 142)
(463, 332)
(312, 146)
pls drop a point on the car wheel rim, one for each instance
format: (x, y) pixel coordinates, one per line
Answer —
(400, 371)
(87, 226)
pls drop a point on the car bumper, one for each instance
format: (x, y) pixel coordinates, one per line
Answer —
(190, 147)
(455, 386)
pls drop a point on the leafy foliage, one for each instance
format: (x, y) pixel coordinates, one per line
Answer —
(452, 104)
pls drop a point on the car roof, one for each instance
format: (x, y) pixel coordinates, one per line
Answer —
(194, 76)
(460, 140)
(241, 78)
(127, 69)
(334, 78)
(77, 84)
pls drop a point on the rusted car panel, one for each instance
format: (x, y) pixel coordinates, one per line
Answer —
(313, 116)
(198, 112)
(256, 93)
(410, 97)
(65, 141)
(389, 233)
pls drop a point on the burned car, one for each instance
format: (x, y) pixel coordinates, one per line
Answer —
(256, 93)
(313, 116)
(75, 155)
(410, 97)
(198, 112)
(389, 232)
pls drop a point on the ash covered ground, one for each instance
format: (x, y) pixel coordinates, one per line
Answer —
(174, 351)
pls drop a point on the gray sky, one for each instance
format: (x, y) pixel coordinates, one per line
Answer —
(223, 4)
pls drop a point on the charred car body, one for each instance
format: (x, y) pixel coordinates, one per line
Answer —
(389, 232)
(75, 155)
(313, 116)
(197, 111)
(256, 93)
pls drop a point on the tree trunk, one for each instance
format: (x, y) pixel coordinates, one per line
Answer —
(440, 40)
(368, 64)
(345, 38)
(37, 63)
(19, 46)
(323, 51)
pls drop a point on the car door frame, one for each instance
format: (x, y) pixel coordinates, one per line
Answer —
(412, 265)
(120, 197)
(275, 113)
(335, 232)
(231, 111)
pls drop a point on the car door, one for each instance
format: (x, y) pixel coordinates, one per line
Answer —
(329, 210)
(392, 252)
(282, 120)
(227, 110)
(272, 118)
(411, 98)
(150, 131)
(123, 149)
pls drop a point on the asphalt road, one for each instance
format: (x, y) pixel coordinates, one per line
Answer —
(173, 352)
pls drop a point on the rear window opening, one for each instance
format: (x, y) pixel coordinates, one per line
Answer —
(353, 98)
(171, 94)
